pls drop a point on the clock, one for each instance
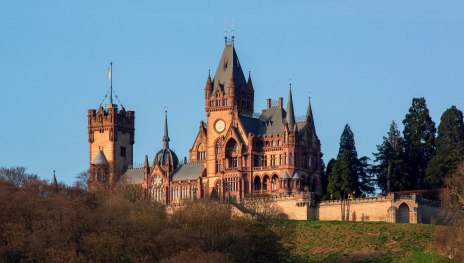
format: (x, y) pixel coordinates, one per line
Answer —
(220, 125)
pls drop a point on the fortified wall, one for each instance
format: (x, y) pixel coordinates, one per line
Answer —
(393, 208)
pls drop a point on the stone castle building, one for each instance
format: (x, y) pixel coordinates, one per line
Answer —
(236, 154)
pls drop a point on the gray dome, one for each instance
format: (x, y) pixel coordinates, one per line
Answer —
(100, 158)
(166, 156)
(285, 176)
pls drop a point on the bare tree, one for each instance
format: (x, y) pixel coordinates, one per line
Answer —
(16, 175)
(82, 179)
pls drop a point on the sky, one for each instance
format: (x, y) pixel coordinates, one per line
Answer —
(361, 62)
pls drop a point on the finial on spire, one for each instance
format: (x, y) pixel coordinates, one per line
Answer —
(110, 76)
(225, 32)
(233, 31)
(166, 136)
(290, 83)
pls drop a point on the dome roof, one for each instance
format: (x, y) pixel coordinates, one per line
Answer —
(297, 176)
(166, 156)
(99, 158)
(285, 176)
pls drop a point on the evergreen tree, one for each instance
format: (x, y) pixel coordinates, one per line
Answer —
(324, 180)
(328, 170)
(389, 167)
(450, 148)
(419, 141)
(360, 180)
(341, 177)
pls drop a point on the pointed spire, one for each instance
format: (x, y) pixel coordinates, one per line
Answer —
(249, 82)
(54, 181)
(309, 114)
(290, 118)
(166, 137)
(145, 163)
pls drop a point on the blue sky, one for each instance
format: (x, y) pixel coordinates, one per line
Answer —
(363, 61)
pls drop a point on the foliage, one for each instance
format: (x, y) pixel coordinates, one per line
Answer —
(452, 196)
(40, 222)
(449, 148)
(82, 179)
(16, 175)
(354, 178)
(341, 178)
(389, 167)
(419, 140)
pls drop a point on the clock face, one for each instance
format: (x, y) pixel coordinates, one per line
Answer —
(220, 125)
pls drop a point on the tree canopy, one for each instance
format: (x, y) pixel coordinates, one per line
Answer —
(449, 148)
(419, 141)
(389, 166)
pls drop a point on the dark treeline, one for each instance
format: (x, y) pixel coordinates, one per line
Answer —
(420, 158)
(42, 222)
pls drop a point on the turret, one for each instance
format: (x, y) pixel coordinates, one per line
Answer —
(290, 118)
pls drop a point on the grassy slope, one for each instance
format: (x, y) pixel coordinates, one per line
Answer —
(335, 241)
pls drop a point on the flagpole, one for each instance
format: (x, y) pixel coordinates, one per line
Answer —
(111, 83)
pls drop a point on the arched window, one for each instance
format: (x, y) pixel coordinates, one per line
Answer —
(232, 153)
(257, 183)
(274, 183)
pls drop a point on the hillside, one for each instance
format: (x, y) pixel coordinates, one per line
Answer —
(335, 241)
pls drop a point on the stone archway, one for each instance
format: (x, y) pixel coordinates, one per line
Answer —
(402, 215)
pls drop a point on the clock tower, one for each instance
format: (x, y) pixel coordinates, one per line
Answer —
(226, 95)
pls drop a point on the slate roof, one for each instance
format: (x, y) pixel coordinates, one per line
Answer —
(229, 65)
(133, 176)
(270, 122)
(100, 158)
(188, 172)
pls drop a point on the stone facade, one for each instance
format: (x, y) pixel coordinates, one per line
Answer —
(236, 154)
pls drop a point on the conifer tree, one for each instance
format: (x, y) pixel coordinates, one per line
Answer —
(449, 148)
(389, 167)
(419, 141)
(360, 180)
(341, 177)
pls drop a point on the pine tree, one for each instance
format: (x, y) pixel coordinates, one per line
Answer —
(419, 141)
(389, 167)
(360, 179)
(341, 177)
(450, 148)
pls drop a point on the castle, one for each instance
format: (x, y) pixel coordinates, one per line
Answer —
(236, 154)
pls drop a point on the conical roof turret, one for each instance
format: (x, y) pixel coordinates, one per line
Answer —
(309, 115)
(290, 118)
(100, 158)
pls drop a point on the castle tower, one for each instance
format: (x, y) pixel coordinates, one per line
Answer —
(111, 138)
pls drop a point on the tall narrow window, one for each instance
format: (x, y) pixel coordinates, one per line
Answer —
(290, 159)
(123, 151)
(218, 166)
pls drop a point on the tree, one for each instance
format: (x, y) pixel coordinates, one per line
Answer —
(449, 148)
(82, 179)
(16, 175)
(389, 167)
(360, 178)
(419, 140)
(453, 194)
(341, 184)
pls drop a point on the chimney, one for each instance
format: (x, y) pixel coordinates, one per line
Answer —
(268, 103)
(281, 102)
